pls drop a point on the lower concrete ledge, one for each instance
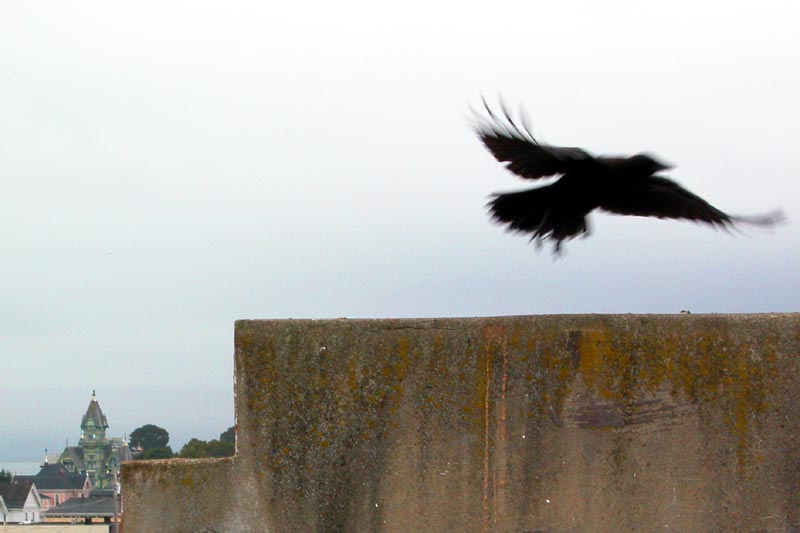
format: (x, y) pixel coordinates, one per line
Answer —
(176, 493)
(539, 423)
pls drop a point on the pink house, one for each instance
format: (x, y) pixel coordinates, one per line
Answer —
(56, 484)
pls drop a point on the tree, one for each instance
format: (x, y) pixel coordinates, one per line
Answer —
(199, 448)
(158, 453)
(5, 476)
(220, 448)
(149, 437)
(229, 435)
(194, 448)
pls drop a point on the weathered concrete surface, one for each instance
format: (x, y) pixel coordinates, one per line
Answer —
(540, 423)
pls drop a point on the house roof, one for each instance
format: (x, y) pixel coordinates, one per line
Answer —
(16, 492)
(95, 414)
(89, 506)
(74, 454)
(52, 469)
(56, 477)
(121, 448)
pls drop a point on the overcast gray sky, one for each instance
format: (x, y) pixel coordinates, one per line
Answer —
(170, 167)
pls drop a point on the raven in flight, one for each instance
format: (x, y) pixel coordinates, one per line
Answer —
(619, 185)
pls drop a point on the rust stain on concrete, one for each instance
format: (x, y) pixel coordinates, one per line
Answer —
(494, 338)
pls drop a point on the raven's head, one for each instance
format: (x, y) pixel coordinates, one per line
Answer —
(647, 164)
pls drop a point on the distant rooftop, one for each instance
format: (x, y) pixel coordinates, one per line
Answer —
(95, 414)
(56, 477)
(16, 492)
(92, 506)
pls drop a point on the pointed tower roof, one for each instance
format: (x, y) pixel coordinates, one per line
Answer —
(95, 414)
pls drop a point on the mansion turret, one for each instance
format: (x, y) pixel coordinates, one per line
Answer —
(96, 454)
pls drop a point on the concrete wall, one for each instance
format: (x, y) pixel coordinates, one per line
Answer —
(520, 424)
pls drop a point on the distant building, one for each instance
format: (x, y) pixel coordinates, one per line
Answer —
(100, 504)
(21, 501)
(96, 454)
(56, 484)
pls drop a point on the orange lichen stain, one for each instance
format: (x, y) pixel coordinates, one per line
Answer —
(187, 482)
(352, 376)
(707, 366)
(515, 339)
(494, 333)
(549, 371)
(438, 344)
(595, 350)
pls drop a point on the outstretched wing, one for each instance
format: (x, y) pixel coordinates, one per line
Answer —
(656, 196)
(520, 150)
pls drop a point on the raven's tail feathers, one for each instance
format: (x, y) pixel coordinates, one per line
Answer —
(538, 213)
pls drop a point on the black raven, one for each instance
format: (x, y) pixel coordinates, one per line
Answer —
(619, 185)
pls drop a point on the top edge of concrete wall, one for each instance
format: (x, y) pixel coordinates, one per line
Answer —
(561, 316)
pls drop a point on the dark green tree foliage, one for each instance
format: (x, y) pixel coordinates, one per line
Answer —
(149, 437)
(200, 448)
(158, 453)
(220, 448)
(229, 435)
(5, 476)
(194, 448)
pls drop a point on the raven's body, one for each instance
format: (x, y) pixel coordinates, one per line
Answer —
(620, 185)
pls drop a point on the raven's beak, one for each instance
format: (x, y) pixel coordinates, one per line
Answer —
(660, 165)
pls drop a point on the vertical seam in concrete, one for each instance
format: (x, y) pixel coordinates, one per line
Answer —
(502, 436)
(492, 334)
(487, 386)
